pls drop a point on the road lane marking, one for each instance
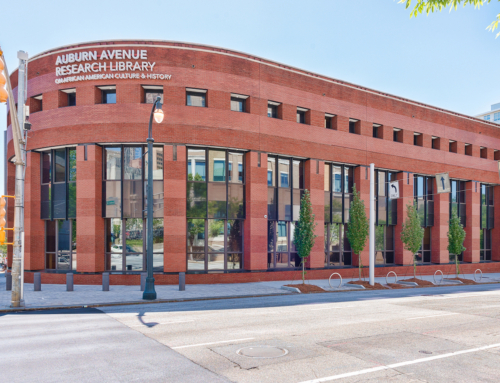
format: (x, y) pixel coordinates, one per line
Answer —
(331, 308)
(155, 324)
(401, 364)
(432, 316)
(207, 344)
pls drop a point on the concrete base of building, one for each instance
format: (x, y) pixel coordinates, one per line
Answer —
(264, 275)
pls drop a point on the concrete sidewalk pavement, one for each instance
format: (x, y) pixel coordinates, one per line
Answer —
(53, 295)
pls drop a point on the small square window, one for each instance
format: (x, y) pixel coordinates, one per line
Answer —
(484, 153)
(301, 115)
(36, 104)
(453, 146)
(397, 135)
(196, 97)
(238, 103)
(72, 99)
(108, 94)
(329, 121)
(273, 109)
(435, 143)
(353, 126)
(377, 131)
(151, 92)
(487, 117)
(468, 149)
(418, 139)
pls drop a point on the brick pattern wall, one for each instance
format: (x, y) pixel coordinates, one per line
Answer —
(216, 125)
(472, 209)
(174, 210)
(439, 232)
(90, 232)
(255, 226)
(315, 182)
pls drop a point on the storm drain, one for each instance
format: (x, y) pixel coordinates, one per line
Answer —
(262, 352)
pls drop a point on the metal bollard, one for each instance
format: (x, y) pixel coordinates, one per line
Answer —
(105, 281)
(182, 281)
(143, 281)
(69, 281)
(37, 281)
(8, 281)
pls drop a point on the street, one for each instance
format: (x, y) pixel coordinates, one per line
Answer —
(442, 334)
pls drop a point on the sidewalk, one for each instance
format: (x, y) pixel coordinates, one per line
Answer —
(92, 295)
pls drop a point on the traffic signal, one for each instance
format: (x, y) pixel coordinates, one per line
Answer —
(3, 213)
(3, 93)
(2, 220)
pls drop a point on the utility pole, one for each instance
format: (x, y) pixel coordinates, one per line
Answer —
(372, 224)
(17, 299)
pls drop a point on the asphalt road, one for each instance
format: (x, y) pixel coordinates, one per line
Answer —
(442, 334)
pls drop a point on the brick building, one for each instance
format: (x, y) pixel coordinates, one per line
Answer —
(241, 139)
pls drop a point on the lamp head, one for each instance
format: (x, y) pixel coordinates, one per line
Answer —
(158, 115)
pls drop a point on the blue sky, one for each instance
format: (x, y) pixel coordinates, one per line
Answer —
(446, 59)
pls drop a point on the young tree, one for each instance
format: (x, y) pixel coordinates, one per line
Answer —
(358, 227)
(412, 234)
(304, 236)
(431, 6)
(456, 237)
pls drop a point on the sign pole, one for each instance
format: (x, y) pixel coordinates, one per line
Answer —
(372, 224)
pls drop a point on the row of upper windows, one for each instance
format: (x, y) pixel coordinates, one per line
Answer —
(238, 103)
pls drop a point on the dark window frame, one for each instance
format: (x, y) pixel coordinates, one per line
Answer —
(241, 220)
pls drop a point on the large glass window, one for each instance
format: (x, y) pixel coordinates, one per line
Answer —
(386, 211)
(125, 182)
(58, 184)
(126, 245)
(487, 221)
(423, 201)
(60, 244)
(215, 210)
(285, 180)
(338, 187)
(457, 207)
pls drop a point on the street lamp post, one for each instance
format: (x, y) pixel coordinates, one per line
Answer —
(157, 113)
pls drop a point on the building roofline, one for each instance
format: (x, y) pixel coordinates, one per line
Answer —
(231, 52)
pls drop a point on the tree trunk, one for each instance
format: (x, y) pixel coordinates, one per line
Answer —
(359, 265)
(456, 265)
(303, 272)
(414, 267)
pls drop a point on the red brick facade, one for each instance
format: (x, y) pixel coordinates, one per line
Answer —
(222, 72)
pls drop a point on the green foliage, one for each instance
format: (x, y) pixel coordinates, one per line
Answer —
(431, 6)
(304, 236)
(215, 228)
(456, 237)
(358, 227)
(195, 227)
(412, 233)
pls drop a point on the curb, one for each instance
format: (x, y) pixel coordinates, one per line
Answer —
(293, 289)
(132, 303)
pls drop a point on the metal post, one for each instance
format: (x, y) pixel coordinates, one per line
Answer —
(149, 292)
(17, 259)
(143, 281)
(37, 281)
(372, 224)
(105, 281)
(69, 281)
(8, 281)
(182, 281)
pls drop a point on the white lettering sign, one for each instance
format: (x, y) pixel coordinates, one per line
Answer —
(90, 66)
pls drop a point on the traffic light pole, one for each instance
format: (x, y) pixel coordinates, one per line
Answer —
(17, 298)
(20, 162)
